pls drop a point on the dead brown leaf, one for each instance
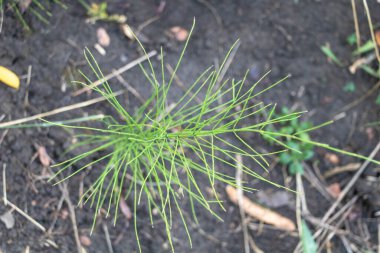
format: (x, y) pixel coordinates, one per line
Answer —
(85, 240)
(43, 156)
(125, 209)
(334, 190)
(370, 133)
(261, 213)
(377, 37)
(341, 169)
(332, 158)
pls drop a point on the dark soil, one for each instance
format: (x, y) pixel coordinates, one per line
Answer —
(281, 36)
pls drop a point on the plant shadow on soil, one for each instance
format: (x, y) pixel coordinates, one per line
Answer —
(272, 37)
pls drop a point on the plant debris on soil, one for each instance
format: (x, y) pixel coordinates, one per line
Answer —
(282, 36)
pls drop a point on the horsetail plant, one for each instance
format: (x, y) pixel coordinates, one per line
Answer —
(38, 8)
(156, 153)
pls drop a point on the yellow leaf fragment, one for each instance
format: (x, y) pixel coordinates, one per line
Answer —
(9, 78)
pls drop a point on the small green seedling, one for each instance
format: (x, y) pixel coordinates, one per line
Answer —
(351, 39)
(369, 46)
(377, 101)
(349, 87)
(99, 12)
(308, 243)
(156, 153)
(370, 65)
(300, 150)
(326, 49)
(368, 53)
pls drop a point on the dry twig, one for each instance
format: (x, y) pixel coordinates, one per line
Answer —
(341, 169)
(65, 195)
(59, 206)
(299, 204)
(42, 228)
(316, 182)
(213, 11)
(361, 61)
(108, 239)
(29, 76)
(355, 15)
(2, 137)
(350, 184)
(115, 73)
(348, 210)
(240, 196)
(146, 23)
(5, 185)
(371, 29)
(1, 16)
(261, 213)
(378, 236)
(58, 110)
(180, 83)
(129, 88)
(359, 100)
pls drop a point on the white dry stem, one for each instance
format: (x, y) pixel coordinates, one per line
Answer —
(108, 239)
(239, 189)
(371, 30)
(350, 184)
(298, 205)
(378, 235)
(42, 228)
(115, 73)
(355, 15)
(5, 185)
(59, 110)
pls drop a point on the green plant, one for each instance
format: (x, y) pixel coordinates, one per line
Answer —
(301, 149)
(369, 50)
(370, 63)
(365, 55)
(98, 11)
(154, 145)
(41, 10)
(326, 49)
(38, 8)
(349, 87)
(308, 243)
(156, 154)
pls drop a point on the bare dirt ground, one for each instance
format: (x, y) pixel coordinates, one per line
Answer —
(281, 36)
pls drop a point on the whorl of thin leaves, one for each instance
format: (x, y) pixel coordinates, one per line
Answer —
(155, 153)
(38, 8)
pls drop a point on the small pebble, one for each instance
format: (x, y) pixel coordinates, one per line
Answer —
(124, 58)
(85, 240)
(334, 190)
(103, 37)
(332, 158)
(179, 33)
(64, 214)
